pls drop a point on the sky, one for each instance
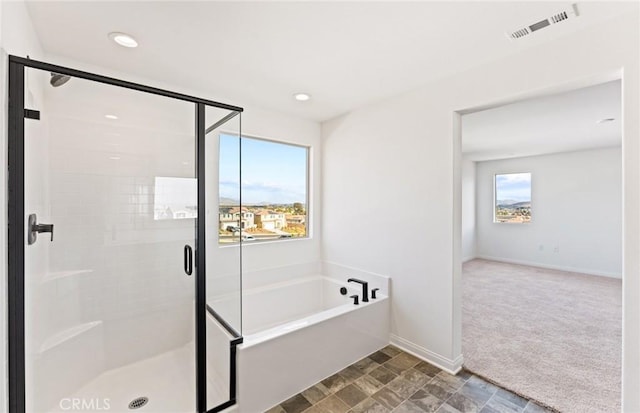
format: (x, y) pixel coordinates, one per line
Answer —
(513, 186)
(272, 172)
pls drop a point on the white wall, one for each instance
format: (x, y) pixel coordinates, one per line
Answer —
(399, 156)
(468, 209)
(576, 220)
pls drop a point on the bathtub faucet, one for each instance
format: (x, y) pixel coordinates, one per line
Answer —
(365, 288)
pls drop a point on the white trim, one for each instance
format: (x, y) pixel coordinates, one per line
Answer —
(553, 267)
(448, 365)
(466, 259)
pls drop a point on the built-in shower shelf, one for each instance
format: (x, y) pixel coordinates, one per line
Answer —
(63, 274)
(67, 335)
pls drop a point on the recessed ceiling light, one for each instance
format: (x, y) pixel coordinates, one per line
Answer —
(302, 97)
(123, 39)
(112, 117)
(605, 120)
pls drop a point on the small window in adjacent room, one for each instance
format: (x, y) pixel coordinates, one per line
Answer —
(274, 190)
(512, 200)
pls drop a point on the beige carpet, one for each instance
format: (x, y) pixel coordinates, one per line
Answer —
(553, 336)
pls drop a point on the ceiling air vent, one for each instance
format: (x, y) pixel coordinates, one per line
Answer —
(549, 21)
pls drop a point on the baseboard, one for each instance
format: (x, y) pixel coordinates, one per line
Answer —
(552, 267)
(448, 365)
(465, 259)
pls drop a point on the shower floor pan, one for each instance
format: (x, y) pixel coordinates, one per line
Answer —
(167, 380)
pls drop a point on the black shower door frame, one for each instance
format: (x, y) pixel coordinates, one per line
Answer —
(16, 229)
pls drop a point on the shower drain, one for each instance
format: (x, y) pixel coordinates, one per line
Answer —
(138, 402)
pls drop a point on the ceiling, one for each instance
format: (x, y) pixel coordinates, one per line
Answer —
(557, 123)
(345, 54)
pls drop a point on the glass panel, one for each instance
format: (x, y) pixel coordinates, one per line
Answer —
(224, 298)
(109, 308)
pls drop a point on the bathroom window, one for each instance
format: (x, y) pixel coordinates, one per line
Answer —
(512, 201)
(274, 190)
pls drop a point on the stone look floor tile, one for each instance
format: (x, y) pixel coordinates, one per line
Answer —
(427, 402)
(383, 375)
(369, 405)
(316, 393)
(351, 395)
(445, 408)
(387, 398)
(331, 404)
(427, 369)
(475, 380)
(368, 384)
(439, 388)
(403, 387)
(463, 403)
(390, 380)
(533, 407)
(334, 383)
(464, 374)
(452, 381)
(488, 409)
(351, 373)
(513, 398)
(379, 357)
(502, 405)
(477, 392)
(408, 407)
(401, 362)
(296, 404)
(366, 365)
(391, 351)
(416, 377)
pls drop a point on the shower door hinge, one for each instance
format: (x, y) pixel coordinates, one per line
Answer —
(32, 114)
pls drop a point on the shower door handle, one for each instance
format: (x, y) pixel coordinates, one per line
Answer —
(35, 229)
(188, 260)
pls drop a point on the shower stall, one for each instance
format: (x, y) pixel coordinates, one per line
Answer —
(119, 296)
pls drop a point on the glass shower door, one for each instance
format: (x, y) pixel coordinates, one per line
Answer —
(225, 227)
(110, 213)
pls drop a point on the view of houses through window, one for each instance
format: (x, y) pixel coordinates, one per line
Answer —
(513, 198)
(273, 187)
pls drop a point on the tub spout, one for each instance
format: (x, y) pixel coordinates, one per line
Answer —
(365, 288)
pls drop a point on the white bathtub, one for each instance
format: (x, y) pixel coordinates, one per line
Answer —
(297, 333)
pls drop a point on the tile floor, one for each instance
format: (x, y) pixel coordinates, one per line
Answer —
(391, 380)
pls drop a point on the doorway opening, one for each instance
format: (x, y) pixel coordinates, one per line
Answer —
(541, 245)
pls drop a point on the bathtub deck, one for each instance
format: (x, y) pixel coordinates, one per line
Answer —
(249, 331)
(391, 380)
